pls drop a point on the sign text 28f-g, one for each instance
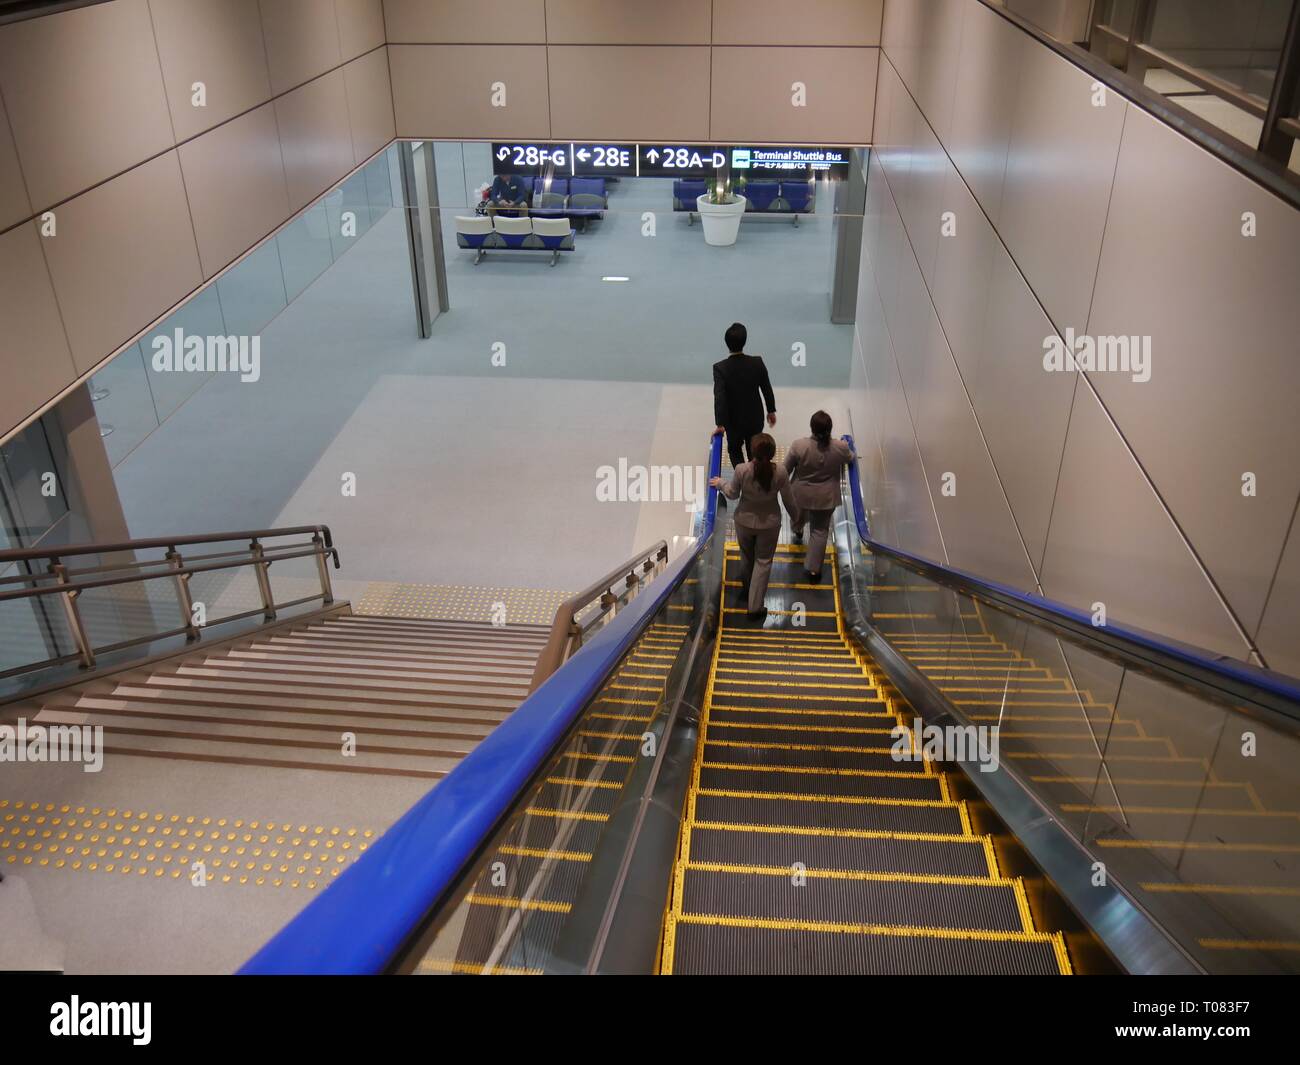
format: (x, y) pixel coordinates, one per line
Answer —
(522, 158)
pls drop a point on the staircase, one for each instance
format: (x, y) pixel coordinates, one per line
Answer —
(342, 694)
(806, 848)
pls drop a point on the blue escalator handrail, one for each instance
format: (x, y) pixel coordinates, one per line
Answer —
(360, 923)
(1239, 672)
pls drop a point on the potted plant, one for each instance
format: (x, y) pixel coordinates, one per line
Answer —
(720, 210)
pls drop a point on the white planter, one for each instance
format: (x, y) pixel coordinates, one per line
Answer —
(721, 220)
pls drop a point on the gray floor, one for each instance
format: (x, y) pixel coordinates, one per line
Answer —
(457, 458)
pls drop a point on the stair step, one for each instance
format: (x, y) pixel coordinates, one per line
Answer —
(708, 948)
(976, 904)
(747, 809)
(813, 852)
(221, 699)
(252, 751)
(99, 707)
(282, 666)
(332, 695)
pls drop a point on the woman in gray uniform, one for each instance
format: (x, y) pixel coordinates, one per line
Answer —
(814, 464)
(758, 484)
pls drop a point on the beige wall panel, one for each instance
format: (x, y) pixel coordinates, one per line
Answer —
(77, 123)
(315, 138)
(838, 22)
(988, 71)
(14, 204)
(34, 358)
(370, 103)
(217, 42)
(627, 22)
(936, 61)
(996, 329)
(1224, 322)
(302, 40)
(630, 92)
(465, 21)
(361, 26)
(1279, 635)
(235, 179)
(752, 94)
(446, 90)
(1060, 166)
(1112, 542)
(124, 254)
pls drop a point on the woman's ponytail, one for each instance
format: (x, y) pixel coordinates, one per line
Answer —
(820, 424)
(763, 448)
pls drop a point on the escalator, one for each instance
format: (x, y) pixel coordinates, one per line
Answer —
(806, 846)
(693, 794)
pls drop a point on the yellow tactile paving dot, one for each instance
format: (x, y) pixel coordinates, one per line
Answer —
(128, 842)
(455, 602)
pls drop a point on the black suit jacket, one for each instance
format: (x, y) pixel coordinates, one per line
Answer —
(740, 388)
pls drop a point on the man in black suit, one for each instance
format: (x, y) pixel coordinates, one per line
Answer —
(740, 388)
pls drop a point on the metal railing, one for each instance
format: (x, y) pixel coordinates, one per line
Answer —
(568, 632)
(67, 584)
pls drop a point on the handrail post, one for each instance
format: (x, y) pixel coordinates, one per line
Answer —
(73, 615)
(182, 580)
(322, 567)
(261, 568)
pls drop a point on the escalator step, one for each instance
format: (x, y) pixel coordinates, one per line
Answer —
(820, 673)
(777, 621)
(986, 904)
(802, 691)
(790, 700)
(958, 857)
(717, 753)
(716, 948)
(797, 782)
(801, 733)
(823, 813)
(722, 715)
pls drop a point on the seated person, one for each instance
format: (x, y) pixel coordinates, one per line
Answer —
(507, 195)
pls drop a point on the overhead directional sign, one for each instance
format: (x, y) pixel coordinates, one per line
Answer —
(530, 158)
(792, 161)
(681, 160)
(612, 160)
(544, 158)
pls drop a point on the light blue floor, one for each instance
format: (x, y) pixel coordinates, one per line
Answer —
(346, 386)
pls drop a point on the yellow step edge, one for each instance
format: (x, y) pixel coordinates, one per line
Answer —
(565, 815)
(908, 931)
(853, 800)
(542, 852)
(512, 902)
(874, 877)
(928, 774)
(805, 712)
(1220, 889)
(841, 833)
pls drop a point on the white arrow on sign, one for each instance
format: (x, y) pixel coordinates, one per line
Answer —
(652, 155)
(583, 154)
(502, 153)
